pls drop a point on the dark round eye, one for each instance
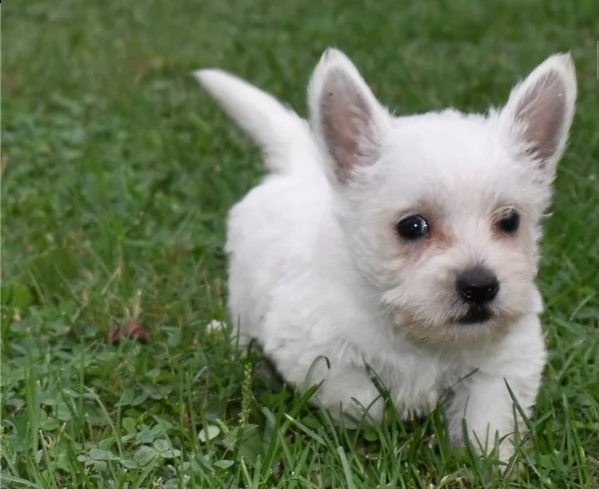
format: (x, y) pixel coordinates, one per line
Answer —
(412, 227)
(510, 222)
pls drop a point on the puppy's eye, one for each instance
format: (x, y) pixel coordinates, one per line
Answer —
(509, 222)
(412, 227)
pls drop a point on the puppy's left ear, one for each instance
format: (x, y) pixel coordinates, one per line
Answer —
(346, 118)
(539, 112)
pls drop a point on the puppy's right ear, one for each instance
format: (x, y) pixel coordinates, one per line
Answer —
(346, 117)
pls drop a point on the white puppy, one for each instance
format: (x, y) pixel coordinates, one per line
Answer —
(407, 246)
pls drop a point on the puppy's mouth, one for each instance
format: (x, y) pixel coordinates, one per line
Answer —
(476, 314)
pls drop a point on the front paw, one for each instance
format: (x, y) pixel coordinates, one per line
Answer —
(484, 442)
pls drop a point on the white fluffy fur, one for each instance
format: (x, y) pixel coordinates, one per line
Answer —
(319, 277)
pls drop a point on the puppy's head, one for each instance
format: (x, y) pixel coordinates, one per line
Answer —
(441, 211)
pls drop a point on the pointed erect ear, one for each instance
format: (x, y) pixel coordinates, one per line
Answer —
(346, 117)
(539, 112)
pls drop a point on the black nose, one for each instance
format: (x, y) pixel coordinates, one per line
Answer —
(477, 285)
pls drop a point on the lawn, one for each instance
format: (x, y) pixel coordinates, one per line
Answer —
(117, 175)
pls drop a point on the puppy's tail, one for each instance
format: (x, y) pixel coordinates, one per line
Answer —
(274, 127)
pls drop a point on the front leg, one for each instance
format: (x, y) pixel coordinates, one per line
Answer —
(484, 401)
(345, 385)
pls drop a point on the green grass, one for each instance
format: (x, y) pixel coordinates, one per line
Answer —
(118, 172)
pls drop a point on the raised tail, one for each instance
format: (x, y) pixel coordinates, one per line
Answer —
(274, 127)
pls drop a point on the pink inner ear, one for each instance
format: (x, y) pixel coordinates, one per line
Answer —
(346, 124)
(542, 110)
